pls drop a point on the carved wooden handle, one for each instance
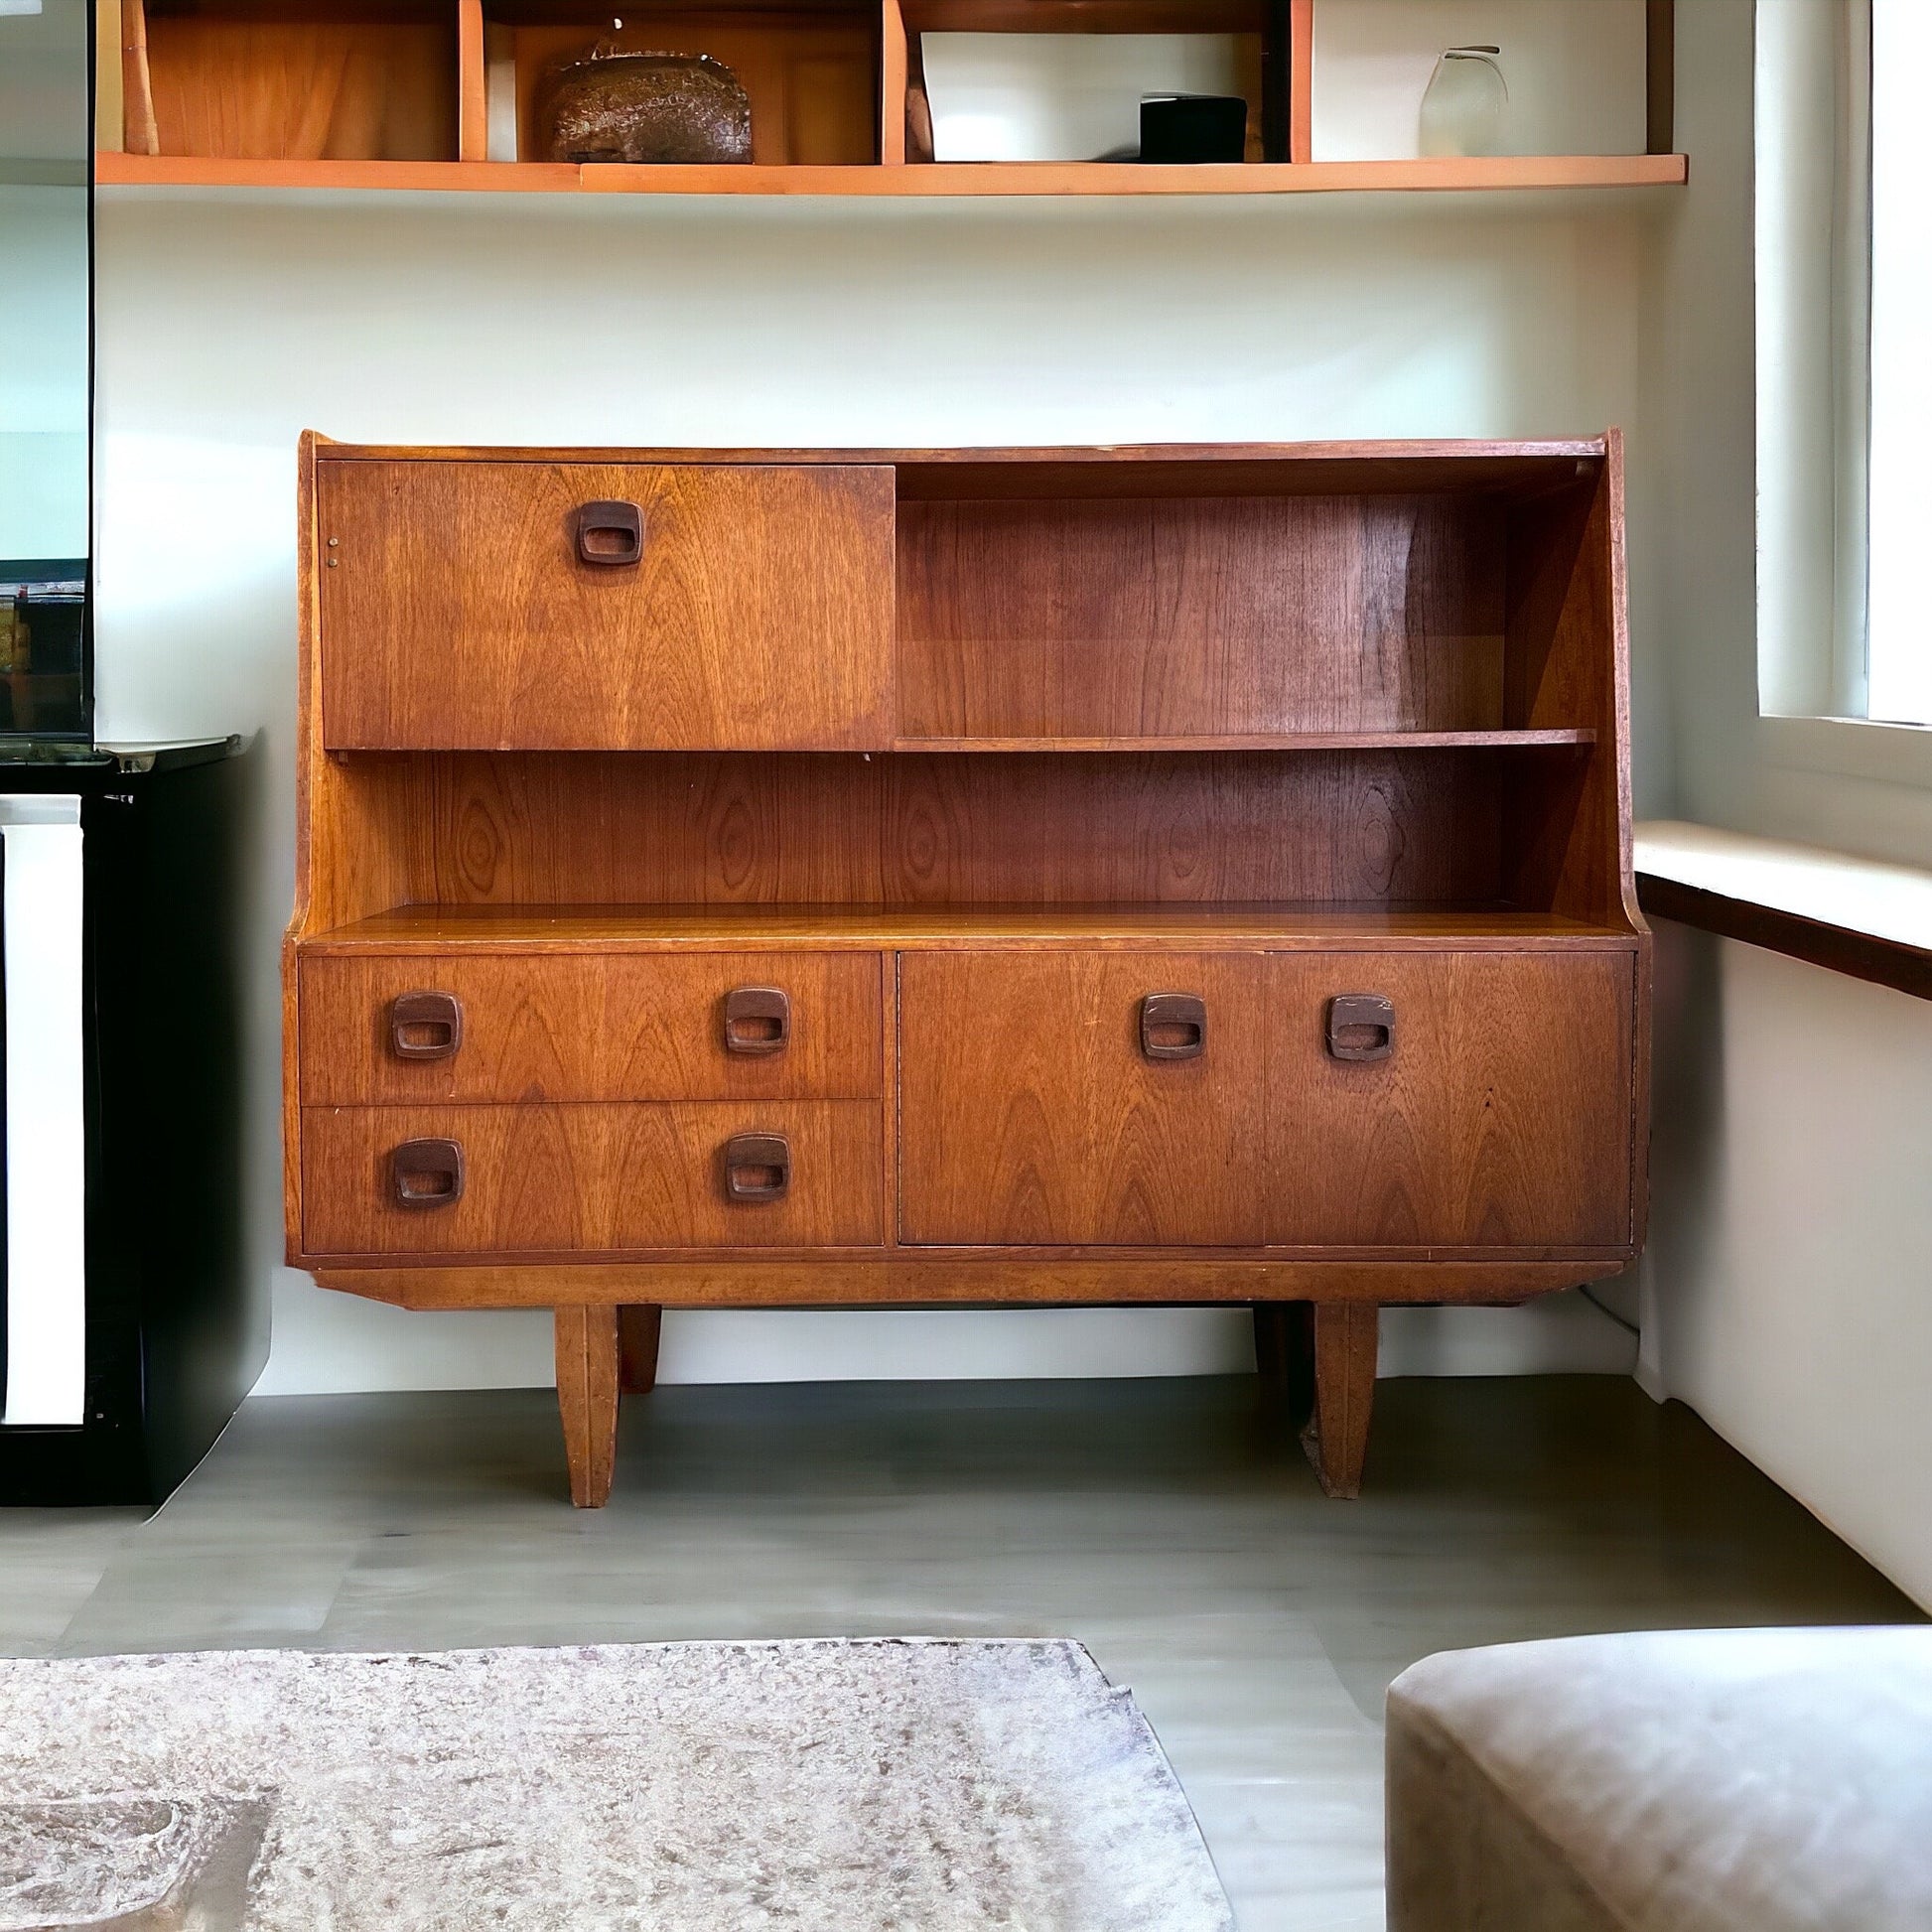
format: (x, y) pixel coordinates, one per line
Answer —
(425, 1025)
(1362, 1026)
(610, 532)
(427, 1174)
(757, 1168)
(1174, 1027)
(758, 1020)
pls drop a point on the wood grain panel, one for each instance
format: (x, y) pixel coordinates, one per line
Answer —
(913, 830)
(1508, 470)
(1502, 1117)
(1030, 1114)
(456, 613)
(1188, 616)
(262, 86)
(1247, 925)
(543, 1179)
(1020, 1281)
(591, 1027)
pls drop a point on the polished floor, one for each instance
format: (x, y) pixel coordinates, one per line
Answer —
(1169, 1525)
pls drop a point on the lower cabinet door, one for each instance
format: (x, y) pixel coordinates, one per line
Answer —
(591, 1180)
(1465, 1099)
(1082, 1098)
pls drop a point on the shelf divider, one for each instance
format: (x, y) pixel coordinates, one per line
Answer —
(891, 85)
(473, 83)
(139, 134)
(1300, 81)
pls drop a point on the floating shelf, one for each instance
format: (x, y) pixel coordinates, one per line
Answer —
(948, 178)
(417, 95)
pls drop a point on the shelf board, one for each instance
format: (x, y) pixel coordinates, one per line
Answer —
(1397, 741)
(1278, 927)
(943, 179)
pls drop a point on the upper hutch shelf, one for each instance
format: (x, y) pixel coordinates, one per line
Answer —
(441, 95)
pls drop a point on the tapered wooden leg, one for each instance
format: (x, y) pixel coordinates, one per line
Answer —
(638, 1333)
(1336, 1437)
(587, 1399)
(1284, 1357)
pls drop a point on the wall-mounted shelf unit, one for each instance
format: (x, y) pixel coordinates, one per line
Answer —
(420, 94)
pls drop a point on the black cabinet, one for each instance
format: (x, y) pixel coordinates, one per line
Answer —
(130, 1333)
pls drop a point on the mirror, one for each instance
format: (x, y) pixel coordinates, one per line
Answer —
(45, 265)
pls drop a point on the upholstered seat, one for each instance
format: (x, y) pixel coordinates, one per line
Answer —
(1670, 1781)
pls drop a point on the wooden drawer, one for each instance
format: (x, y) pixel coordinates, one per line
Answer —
(589, 1179)
(1500, 1115)
(458, 610)
(591, 1027)
(1030, 1113)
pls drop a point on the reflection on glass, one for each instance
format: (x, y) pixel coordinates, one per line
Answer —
(43, 433)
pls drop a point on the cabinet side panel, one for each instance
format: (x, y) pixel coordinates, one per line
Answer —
(1567, 825)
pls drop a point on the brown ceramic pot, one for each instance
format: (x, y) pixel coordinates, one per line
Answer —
(612, 105)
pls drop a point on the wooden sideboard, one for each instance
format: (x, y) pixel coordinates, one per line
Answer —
(848, 878)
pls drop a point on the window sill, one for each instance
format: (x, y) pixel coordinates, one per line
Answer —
(1851, 747)
(1849, 915)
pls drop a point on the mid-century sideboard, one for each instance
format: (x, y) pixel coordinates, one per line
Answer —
(739, 877)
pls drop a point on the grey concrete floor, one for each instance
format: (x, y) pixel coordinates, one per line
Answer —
(1169, 1525)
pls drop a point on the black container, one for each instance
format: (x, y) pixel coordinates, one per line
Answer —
(1193, 127)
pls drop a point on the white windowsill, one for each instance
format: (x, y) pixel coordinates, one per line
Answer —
(1891, 903)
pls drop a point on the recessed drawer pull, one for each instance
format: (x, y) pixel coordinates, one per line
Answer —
(758, 1167)
(1362, 1026)
(425, 1025)
(1174, 1027)
(427, 1174)
(610, 532)
(758, 1020)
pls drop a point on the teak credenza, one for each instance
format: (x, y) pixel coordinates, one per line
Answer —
(812, 877)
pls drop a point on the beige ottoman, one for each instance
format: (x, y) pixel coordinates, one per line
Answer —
(1670, 1781)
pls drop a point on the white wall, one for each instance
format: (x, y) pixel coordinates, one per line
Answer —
(227, 326)
(1788, 1283)
(1792, 1251)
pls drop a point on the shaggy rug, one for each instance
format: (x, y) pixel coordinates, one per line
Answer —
(693, 1787)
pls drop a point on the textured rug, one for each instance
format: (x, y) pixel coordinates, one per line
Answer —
(700, 1787)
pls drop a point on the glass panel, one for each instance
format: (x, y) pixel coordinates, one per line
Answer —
(44, 418)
